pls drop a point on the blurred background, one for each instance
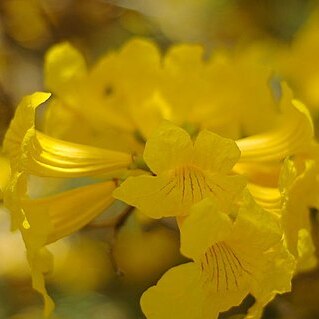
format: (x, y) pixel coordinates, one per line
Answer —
(101, 272)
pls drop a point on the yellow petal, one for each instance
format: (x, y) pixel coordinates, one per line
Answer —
(41, 263)
(42, 221)
(140, 58)
(176, 191)
(215, 153)
(224, 189)
(45, 220)
(117, 101)
(143, 191)
(40, 154)
(178, 295)
(257, 241)
(184, 176)
(56, 158)
(62, 122)
(307, 259)
(69, 211)
(169, 147)
(40, 260)
(205, 226)
(255, 227)
(183, 68)
(64, 68)
(272, 277)
(151, 113)
(299, 188)
(268, 198)
(22, 127)
(293, 135)
(258, 172)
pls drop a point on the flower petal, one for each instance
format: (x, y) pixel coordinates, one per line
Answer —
(169, 147)
(293, 135)
(267, 197)
(299, 189)
(22, 126)
(143, 191)
(257, 241)
(205, 226)
(42, 221)
(215, 153)
(177, 190)
(41, 263)
(178, 295)
(57, 158)
(42, 155)
(69, 211)
(64, 67)
(272, 277)
(255, 227)
(225, 189)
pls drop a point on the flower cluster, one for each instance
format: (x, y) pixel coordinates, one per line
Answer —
(218, 145)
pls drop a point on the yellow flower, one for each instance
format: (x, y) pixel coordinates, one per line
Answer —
(231, 258)
(292, 134)
(186, 172)
(237, 244)
(45, 220)
(180, 86)
(281, 167)
(262, 155)
(42, 155)
(105, 103)
(299, 188)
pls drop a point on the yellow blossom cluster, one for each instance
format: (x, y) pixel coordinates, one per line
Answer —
(216, 144)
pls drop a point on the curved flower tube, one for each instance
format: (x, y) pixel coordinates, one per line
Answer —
(45, 220)
(42, 155)
(293, 134)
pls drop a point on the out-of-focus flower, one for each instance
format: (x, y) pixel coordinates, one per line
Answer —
(81, 265)
(143, 251)
(297, 63)
(181, 87)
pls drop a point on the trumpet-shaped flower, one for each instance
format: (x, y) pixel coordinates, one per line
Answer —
(287, 190)
(299, 189)
(40, 154)
(231, 258)
(186, 172)
(45, 220)
(292, 135)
